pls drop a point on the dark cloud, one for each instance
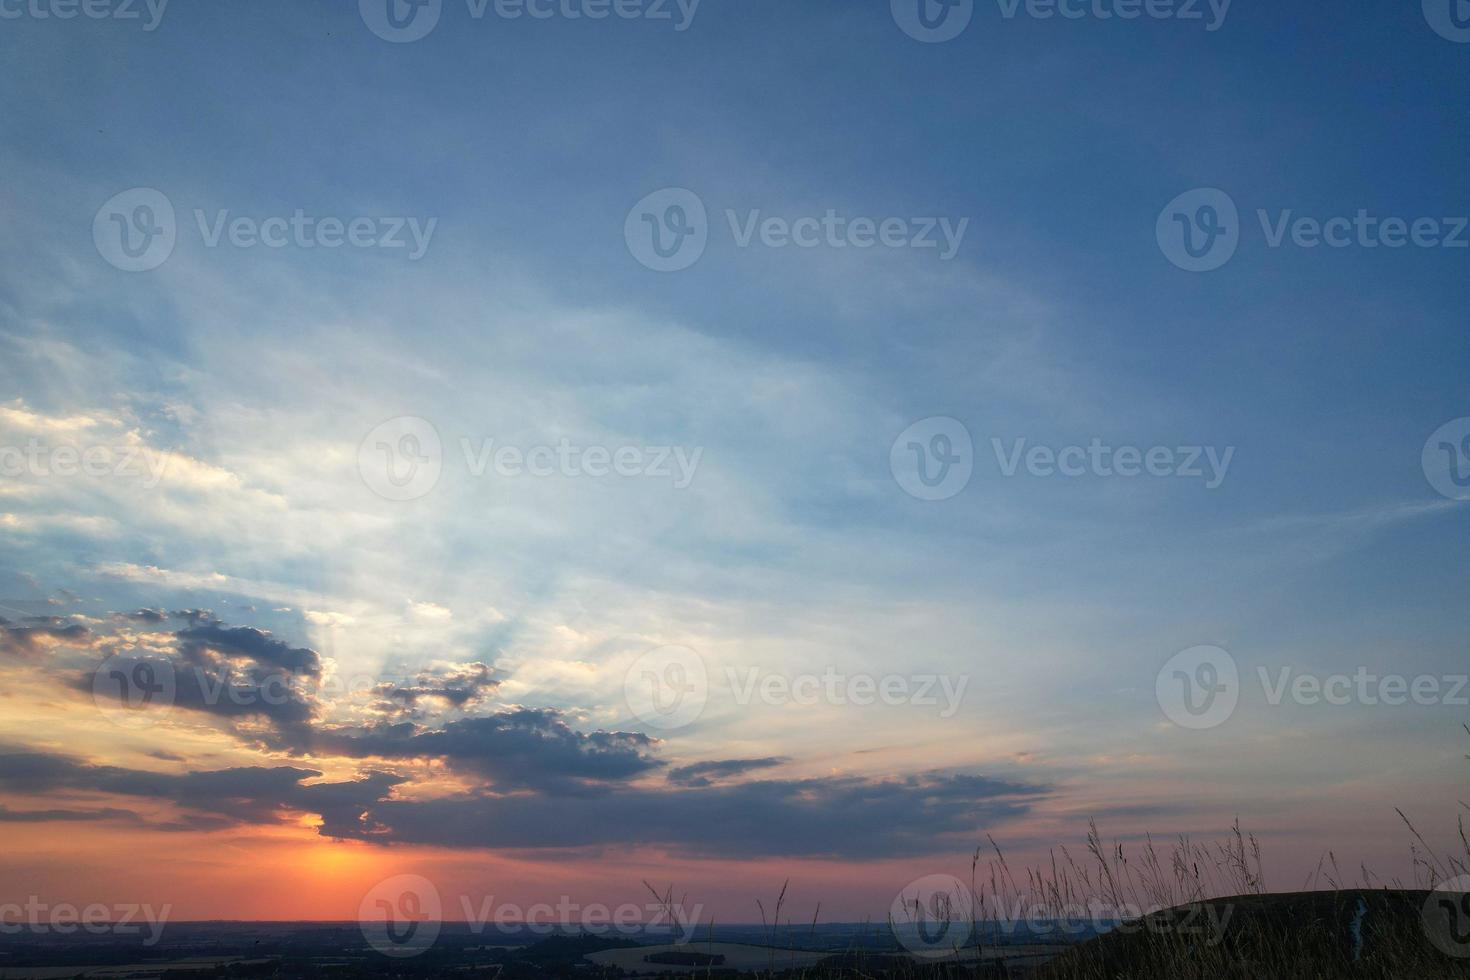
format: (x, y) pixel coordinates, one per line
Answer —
(837, 817)
(226, 797)
(146, 616)
(846, 817)
(455, 686)
(8, 815)
(204, 643)
(522, 748)
(231, 673)
(195, 616)
(29, 636)
(540, 783)
(215, 689)
(708, 773)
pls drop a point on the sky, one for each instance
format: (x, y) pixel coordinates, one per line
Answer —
(723, 443)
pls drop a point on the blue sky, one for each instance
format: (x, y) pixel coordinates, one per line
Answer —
(528, 320)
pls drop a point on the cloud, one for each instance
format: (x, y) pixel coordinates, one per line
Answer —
(198, 641)
(36, 634)
(146, 616)
(430, 611)
(248, 795)
(707, 773)
(8, 815)
(18, 415)
(844, 817)
(216, 689)
(452, 685)
(521, 748)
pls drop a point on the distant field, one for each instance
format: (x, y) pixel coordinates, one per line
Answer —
(192, 964)
(750, 958)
